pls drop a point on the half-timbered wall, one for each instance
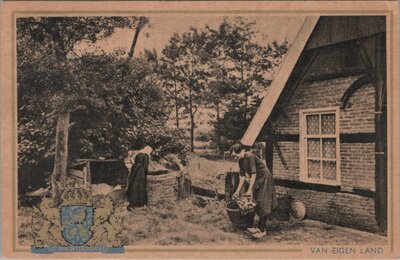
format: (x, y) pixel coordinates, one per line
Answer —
(353, 198)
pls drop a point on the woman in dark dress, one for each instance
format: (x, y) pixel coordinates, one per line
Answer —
(137, 185)
(261, 186)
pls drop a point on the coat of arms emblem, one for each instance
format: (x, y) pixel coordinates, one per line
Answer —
(80, 220)
(76, 221)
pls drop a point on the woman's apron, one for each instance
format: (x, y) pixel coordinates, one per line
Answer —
(265, 194)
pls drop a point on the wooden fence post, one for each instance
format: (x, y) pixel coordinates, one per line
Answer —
(184, 186)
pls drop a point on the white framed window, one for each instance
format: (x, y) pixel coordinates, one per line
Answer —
(320, 146)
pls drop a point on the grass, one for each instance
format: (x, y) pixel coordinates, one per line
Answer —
(179, 223)
(186, 223)
(191, 223)
(204, 172)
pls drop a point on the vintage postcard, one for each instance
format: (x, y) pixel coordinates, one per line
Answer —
(199, 129)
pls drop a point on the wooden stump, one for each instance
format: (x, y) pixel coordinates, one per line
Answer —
(184, 186)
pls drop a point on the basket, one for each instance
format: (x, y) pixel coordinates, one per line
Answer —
(238, 219)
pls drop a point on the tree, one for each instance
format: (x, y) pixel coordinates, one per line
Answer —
(192, 75)
(241, 70)
(234, 123)
(122, 110)
(53, 41)
(193, 64)
(170, 73)
(220, 85)
(251, 63)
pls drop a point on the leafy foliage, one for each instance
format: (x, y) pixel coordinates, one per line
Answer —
(170, 75)
(186, 58)
(225, 68)
(115, 103)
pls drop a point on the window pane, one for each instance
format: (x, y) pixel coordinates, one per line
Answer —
(313, 147)
(329, 170)
(329, 148)
(312, 124)
(328, 124)
(314, 168)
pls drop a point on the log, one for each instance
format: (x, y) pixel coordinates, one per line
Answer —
(207, 193)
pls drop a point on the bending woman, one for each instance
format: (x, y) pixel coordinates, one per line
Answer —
(261, 186)
(137, 185)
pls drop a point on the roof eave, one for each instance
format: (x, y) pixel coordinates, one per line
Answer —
(278, 84)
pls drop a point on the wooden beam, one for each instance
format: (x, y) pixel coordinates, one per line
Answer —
(278, 150)
(272, 134)
(306, 63)
(362, 81)
(369, 68)
(381, 134)
(272, 95)
(377, 73)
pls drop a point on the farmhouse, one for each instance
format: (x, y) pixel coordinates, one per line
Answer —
(324, 121)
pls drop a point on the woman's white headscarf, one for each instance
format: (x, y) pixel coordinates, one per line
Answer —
(147, 150)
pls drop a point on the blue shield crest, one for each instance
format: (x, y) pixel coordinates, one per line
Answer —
(76, 221)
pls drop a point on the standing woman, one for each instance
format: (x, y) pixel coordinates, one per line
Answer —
(137, 184)
(261, 186)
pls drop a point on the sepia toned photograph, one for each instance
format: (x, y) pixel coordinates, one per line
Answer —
(193, 130)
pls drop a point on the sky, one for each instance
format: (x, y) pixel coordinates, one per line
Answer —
(162, 27)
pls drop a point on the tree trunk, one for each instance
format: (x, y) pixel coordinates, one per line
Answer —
(59, 177)
(191, 120)
(245, 92)
(219, 131)
(176, 105)
(191, 130)
(135, 38)
(191, 133)
(246, 104)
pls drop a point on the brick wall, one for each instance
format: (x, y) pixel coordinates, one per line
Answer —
(290, 152)
(357, 159)
(357, 166)
(359, 114)
(356, 117)
(351, 210)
